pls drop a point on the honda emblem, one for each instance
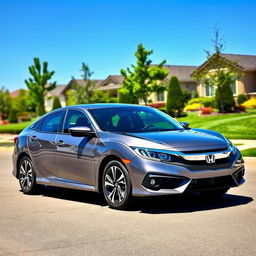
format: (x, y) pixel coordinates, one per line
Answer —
(210, 159)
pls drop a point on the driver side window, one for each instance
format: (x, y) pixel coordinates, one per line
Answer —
(76, 118)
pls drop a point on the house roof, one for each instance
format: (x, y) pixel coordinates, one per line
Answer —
(182, 72)
(246, 62)
(57, 90)
(117, 82)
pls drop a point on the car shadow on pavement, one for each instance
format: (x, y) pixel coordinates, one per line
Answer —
(184, 203)
(189, 203)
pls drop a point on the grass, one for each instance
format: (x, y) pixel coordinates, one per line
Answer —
(238, 144)
(232, 126)
(14, 128)
(6, 144)
(249, 152)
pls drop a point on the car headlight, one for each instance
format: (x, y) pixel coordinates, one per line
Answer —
(153, 154)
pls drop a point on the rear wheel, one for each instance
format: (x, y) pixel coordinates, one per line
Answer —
(116, 185)
(216, 193)
(27, 176)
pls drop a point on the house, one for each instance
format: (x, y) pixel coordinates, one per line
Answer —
(245, 64)
(56, 92)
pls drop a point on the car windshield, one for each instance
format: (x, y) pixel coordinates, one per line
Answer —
(133, 120)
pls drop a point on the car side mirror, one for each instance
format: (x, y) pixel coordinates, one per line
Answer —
(81, 131)
(185, 125)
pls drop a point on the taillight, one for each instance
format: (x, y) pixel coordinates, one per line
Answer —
(15, 139)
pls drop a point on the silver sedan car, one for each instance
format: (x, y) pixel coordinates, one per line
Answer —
(124, 151)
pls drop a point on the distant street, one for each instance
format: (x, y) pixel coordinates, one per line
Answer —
(69, 222)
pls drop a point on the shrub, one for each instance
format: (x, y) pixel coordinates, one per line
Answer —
(56, 103)
(193, 107)
(204, 101)
(127, 98)
(175, 104)
(206, 111)
(194, 94)
(13, 116)
(241, 98)
(112, 100)
(251, 103)
(186, 95)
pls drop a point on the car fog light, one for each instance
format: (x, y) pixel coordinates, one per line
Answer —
(153, 182)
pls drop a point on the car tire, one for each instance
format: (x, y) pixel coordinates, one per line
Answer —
(216, 193)
(27, 176)
(116, 185)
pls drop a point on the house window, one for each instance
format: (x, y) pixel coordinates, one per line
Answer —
(160, 96)
(233, 87)
(209, 89)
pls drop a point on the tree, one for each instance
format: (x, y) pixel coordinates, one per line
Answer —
(127, 98)
(84, 93)
(145, 78)
(175, 101)
(56, 103)
(70, 97)
(186, 95)
(222, 73)
(5, 102)
(38, 85)
(13, 116)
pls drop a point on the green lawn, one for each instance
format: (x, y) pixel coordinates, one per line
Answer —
(249, 152)
(232, 126)
(14, 128)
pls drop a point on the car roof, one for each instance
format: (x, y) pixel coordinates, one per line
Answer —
(101, 105)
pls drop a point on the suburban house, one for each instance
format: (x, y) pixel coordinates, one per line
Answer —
(245, 64)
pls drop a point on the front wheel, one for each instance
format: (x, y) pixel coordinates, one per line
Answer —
(116, 185)
(216, 193)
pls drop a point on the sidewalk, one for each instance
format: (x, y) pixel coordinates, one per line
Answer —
(245, 144)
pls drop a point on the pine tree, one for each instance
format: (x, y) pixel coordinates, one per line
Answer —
(175, 103)
(56, 103)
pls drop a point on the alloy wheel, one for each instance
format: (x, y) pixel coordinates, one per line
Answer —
(26, 175)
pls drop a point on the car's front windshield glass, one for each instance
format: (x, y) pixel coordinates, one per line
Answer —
(133, 119)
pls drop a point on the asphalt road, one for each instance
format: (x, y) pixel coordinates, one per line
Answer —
(69, 222)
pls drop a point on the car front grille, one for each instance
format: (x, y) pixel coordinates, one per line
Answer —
(204, 151)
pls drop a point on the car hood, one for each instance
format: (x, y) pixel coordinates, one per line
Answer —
(178, 140)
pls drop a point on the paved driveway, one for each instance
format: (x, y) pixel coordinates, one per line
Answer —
(69, 222)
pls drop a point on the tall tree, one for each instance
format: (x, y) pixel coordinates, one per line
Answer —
(145, 78)
(5, 102)
(219, 72)
(84, 93)
(38, 85)
(175, 99)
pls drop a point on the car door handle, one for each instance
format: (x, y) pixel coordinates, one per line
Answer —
(32, 138)
(60, 143)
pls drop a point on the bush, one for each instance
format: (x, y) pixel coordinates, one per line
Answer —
(241, 98)
(204, 101)
(240, 108)
(112, 100)
(194, 94)
(175, 104)
(13, 116)
(193, 107)
(127, 98)
(206, 111)
(186, 95)
(251, 103)
(56, 103)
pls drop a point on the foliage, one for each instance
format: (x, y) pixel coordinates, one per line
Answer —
(251, 103)
(206, 111)
(145, 78)
(241, 98)
(204, 101)
(219, 72)
(56, 103)
(83, 93)
(240, 108)
(70, 97)
(186, 95)
(14, 128)
(175, 103)
(13, 116)
(193, 107)
(23, 102)
(5, 102)
(194, 94)
(38, 85)
(125, 97)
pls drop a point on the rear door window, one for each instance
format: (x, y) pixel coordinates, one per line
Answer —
(53, 122)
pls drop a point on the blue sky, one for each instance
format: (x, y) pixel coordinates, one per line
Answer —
(105, 33)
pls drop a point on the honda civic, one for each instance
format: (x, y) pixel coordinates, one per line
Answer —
(124, 151)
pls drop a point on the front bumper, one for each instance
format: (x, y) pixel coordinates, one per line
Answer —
(152, 178)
